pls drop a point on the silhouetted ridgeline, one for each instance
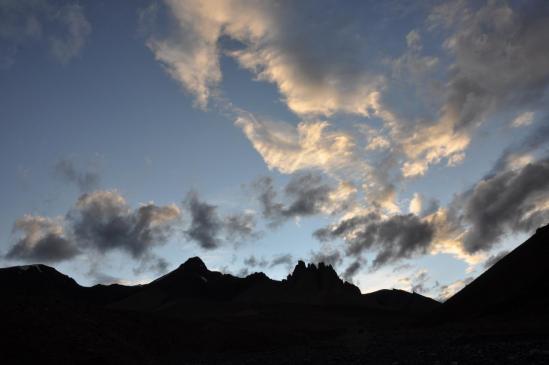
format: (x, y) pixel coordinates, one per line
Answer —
(194, 315)
(193, 284)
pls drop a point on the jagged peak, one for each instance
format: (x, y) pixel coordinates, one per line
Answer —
(301, 269)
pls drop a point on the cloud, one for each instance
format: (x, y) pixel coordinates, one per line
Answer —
(240, 227)
(523, 120)
(419, 281)
(205, 224)
(103, 221)
(510, 201)
(322, 68)
(282, 259)
(210, 230)
(98, 223)
(447, 291)
(520, 154)
(85, 180)
(352, 270)
(412, 63)
(402, 267)
(243, 272)
(152, 263)
(307, 194)
(394, 237)
(61, 25)
(253, 262)
(416, 204)
(332, 257)
(43, 240)
(421, 206)
(314, 77)
(485, 43)
(310, 145)
(77, 28)
(492, 260)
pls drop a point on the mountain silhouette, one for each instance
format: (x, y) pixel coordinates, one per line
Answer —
(516, 285)
(37, 280)
(195, 315)
(192, 284)
(400, 300)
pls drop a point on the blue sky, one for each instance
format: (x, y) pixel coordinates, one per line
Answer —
(404, 143)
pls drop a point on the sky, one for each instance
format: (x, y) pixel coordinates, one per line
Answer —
(405, 143)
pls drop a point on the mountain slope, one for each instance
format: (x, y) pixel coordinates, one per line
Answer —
(36, 280)
(517, 284)
(400, 300)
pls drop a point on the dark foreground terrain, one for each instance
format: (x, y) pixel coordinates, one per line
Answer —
(196, 316)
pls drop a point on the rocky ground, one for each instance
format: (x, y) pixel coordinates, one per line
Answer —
(63, 335)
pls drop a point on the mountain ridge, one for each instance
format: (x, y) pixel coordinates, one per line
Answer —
(192, 283)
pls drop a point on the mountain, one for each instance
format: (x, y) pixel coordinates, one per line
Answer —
(516, 285)
(194, 315)
(192, 284)
(319, 281)
(37, 280)
(400, 301)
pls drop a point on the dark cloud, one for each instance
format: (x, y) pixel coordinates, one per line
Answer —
(267, 195)
(329, 258)
(210, 230)
(307, 194)
(352, 270)
(100, 277)
(395, 237)
(419, 282)
(240, 227)
(85, 180)
(494, 40)
(402, 267)
(537, 139)
(511, 201)
(205, 224)
(285, 259)
(152, 263)
(43, 240)
(243, 272)
(98, 223)
(492, 260)
(103, 221)
(253, 262)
